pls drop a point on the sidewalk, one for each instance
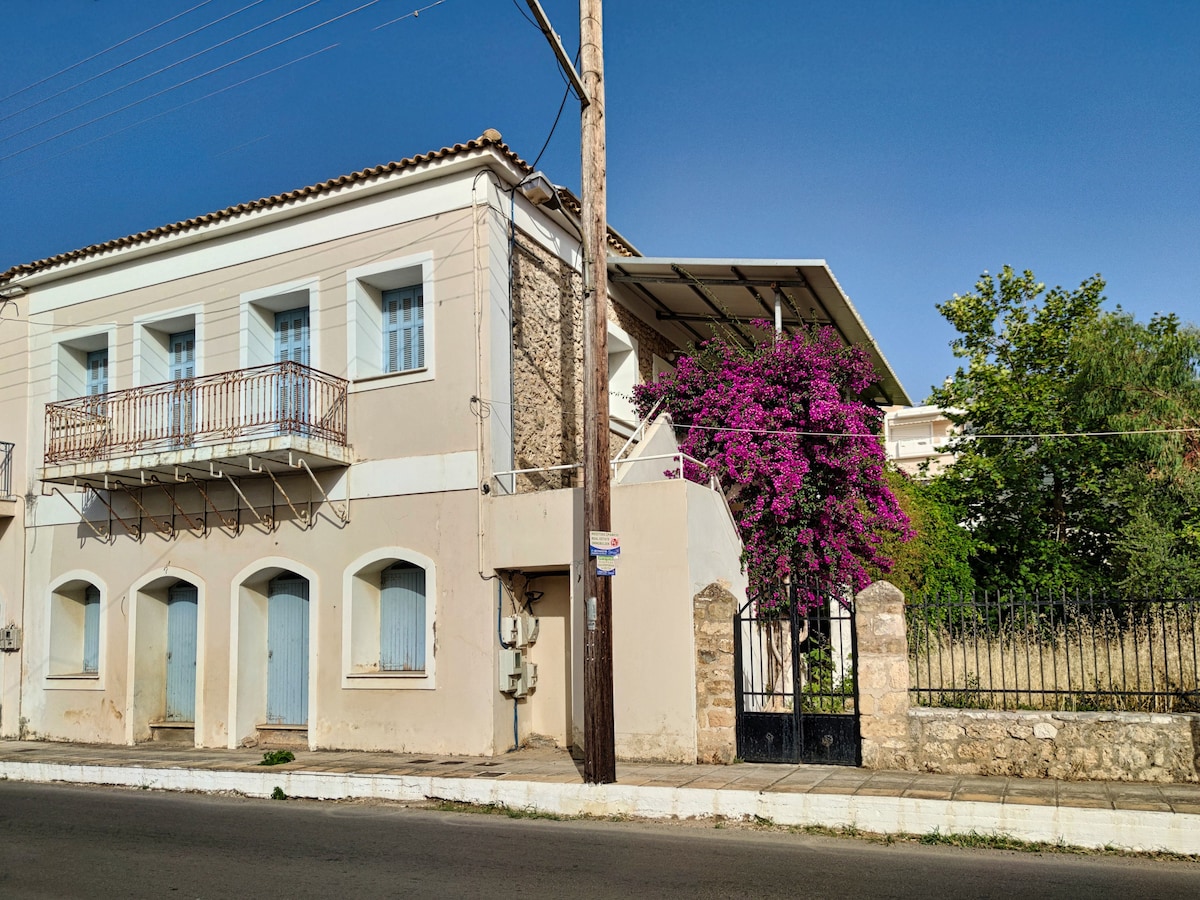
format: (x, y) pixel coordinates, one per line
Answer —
(1085, 814)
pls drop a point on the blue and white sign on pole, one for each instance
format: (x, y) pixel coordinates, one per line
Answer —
(605, 548)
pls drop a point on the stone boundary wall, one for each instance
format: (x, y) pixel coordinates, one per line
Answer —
(713, 611)
(1070, 746)
(1084, 746)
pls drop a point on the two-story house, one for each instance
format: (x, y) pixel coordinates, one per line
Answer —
(305, 470)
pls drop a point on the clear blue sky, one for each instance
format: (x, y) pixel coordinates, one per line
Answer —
(912, 145)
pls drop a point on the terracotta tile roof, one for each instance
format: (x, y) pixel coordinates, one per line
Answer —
(490, 138)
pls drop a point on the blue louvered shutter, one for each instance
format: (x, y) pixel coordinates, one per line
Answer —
(91, 630)
(403, 329)
(402, 619)
(183, 368)
(291, 336)
(97, 372)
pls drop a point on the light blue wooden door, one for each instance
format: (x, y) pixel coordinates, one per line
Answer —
(287, 650)
(292, 345)
(402, 619)
(182, 348)
(181, 653)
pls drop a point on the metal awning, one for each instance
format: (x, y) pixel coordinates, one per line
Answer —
(700, 294)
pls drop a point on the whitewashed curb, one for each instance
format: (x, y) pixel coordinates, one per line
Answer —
(1074, 826)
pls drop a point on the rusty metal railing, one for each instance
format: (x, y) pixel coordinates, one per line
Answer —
(6, 466)
(280, 399)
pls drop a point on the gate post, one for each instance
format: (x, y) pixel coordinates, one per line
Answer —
(714, 609)
(882, 673)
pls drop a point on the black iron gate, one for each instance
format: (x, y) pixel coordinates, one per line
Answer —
(794, 679)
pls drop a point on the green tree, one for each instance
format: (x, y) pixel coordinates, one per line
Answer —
(936, 561)
(1051, 509)
(1032, 503)
(1144, 380)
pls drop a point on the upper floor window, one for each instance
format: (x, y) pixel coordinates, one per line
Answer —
(81, 363)
(168, 347)
(281, 324)
(390, 328)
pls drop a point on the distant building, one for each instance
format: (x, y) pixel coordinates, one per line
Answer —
(915, 435)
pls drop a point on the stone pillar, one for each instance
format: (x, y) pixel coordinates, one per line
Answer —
(882, 673)
(713, 610)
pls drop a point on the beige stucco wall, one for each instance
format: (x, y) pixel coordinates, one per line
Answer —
(383, 713)
(14, 386)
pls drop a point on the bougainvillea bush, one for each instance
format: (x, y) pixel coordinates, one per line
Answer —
(797, 454)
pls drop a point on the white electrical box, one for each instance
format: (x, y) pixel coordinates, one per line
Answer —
(510, 631)
(10, 638)
(532, 626)
(512, 669)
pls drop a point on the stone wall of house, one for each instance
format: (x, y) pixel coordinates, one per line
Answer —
(547, 361)
(1068, 745)
(713, 611)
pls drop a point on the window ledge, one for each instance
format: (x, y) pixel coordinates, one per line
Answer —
(390, 379)
(79, 681)
(389, 680)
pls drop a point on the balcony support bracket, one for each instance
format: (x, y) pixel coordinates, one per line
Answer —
(162, 528)
(304, 516)
(267, 522)
(134, 531)
(344, 512)
(192, 523)
(86, 521)
(231, 524)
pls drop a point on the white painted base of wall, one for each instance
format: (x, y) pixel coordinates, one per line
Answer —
(1078, 827)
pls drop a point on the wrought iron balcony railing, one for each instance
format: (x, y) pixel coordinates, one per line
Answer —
(266, 401)
(6, 465)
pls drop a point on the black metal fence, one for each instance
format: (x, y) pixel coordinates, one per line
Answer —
(1078, 653)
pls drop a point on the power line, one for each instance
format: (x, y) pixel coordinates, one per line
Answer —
(121, 43)
(173, 65)
(1062, 434)
(109, 71)
(411, 15)
(192, 79)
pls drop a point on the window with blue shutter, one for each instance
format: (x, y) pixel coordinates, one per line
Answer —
(402, 618)
(403, 330)
(91, 630)
(97, 372)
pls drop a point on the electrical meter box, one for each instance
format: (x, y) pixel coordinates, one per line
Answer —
(512, 669)
(10, 638)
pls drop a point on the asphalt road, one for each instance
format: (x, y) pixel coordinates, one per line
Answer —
(63, 842)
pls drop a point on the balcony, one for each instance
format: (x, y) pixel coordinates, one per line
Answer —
(276, 416)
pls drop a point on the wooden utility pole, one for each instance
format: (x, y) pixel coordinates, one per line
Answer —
(599, 761)
(599, 753)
